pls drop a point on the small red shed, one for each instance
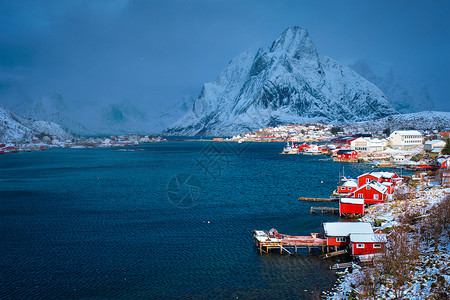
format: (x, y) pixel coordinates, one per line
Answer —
(347, 154)
(351, 206)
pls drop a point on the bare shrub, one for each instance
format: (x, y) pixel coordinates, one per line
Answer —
(370, 279)
(400, 257)
(437, 223)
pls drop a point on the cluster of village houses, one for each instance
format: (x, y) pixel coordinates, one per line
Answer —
(47, 142)
(368, 188)
(397, 149)
(359, 239)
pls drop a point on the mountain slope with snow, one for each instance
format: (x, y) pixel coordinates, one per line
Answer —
(285, 83)
(419, 121)
(52, 108)
(14, 127)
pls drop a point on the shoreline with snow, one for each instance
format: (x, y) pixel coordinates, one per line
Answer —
(430, 275)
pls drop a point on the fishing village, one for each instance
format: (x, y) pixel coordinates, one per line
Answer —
(382, 213)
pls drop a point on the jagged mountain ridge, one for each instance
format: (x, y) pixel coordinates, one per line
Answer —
(14, 127)
(405, 97)
(286, 83)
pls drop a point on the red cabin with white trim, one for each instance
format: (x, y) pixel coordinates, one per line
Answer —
(351, 206)
(379, 177)
(337, 233)
(347, 187)
(367, 244)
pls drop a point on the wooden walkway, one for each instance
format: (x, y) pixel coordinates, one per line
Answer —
(315, 199)
(286, 243)
(324, 209)
(332, 254)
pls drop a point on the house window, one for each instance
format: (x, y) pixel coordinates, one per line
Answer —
(367, 187)
(359, 246)
(360, 196)
(375, 197)
(341, 239)
(367, 180)
(376, 245)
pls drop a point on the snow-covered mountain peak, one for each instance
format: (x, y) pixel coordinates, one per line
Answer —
(294, 42)
(284, 84)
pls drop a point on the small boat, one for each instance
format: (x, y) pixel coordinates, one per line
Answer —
(290, 149)
(313, 150)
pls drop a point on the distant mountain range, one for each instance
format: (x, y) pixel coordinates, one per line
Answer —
(52, 108)
(420, 121)
(115, 118)
(406, 97)
(14, 127)
(287, 82)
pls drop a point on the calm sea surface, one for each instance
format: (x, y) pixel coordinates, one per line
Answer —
(167, 220)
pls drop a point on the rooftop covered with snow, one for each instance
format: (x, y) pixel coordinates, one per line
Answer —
(345, 228)
(368, 238)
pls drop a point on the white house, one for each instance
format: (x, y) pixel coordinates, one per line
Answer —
(403, 139)
(433, 144)
(367, 144)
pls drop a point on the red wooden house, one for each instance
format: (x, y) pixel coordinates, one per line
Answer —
(351, 206)
(337, 233)
(347, 154)
(372, 192)
(379, 177)
(347, 187)
(367, 244)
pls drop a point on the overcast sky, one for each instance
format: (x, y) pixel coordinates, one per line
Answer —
(153, 53)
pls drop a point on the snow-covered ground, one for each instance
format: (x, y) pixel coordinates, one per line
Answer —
(432, 268)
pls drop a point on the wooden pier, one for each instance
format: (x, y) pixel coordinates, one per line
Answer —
(348, 160)
(333, 254)
(265, 242)
(315, 199)
(324, 209)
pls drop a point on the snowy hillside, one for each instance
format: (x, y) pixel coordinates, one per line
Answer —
(15, 128)
(285, 83)
(52, 108)
(406, 97)
(421, 121)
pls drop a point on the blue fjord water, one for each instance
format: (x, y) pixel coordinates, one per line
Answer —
(167, 220)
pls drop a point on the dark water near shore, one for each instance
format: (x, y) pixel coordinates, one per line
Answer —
(105, 223)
